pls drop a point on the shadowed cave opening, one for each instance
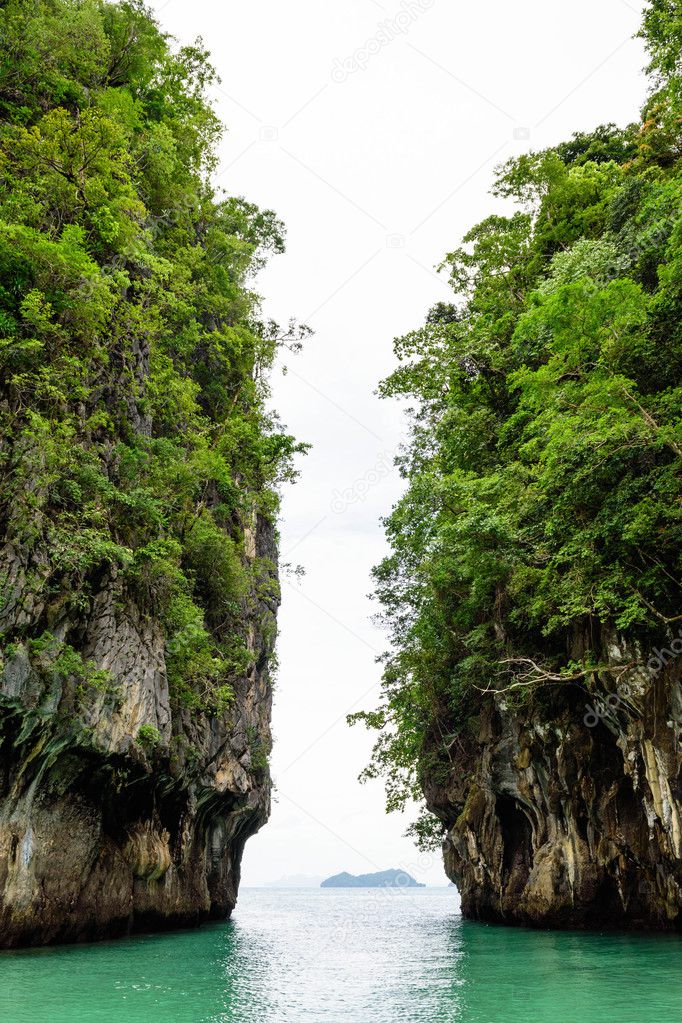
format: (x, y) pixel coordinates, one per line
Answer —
(517, 857)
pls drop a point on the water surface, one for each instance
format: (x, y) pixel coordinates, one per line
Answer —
(349, 956)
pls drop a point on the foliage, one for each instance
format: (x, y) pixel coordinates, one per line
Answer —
(542, 513)
(258, 749)
(135, 441)
(148, 737)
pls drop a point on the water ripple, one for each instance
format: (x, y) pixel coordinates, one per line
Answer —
(352, 956)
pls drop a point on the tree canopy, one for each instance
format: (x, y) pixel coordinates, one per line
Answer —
(134, 436)
(542, 512)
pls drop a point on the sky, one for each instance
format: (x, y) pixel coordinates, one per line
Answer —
(372, 128)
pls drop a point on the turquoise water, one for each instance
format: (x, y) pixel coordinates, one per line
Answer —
(353, 957)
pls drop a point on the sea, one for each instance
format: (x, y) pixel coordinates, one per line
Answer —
(349, 956)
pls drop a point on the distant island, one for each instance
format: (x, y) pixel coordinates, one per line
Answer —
(383, 879)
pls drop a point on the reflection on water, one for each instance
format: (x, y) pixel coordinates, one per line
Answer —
(348, 955)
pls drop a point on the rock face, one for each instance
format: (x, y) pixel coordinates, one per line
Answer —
(139, 469)
(566, 811)
(123, 812)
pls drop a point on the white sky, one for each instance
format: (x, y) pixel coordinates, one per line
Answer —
(377, 176)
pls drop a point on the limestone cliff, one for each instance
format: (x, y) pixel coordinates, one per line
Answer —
(566, 811)
(139, 470)
(103, 832)
(534, 556)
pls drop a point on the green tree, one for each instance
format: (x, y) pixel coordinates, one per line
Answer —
(135, 441)
(543, 498)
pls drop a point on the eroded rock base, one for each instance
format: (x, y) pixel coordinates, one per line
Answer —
(556, 818)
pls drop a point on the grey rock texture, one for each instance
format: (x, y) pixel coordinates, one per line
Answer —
(564, 812)
(101, 834)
